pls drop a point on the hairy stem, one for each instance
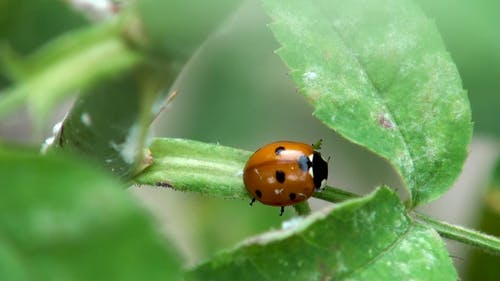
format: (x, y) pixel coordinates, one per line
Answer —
(471, 237)
(217, 170)
(302, 209)
(334, 194)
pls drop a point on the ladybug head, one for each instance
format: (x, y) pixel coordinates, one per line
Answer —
(320, 169)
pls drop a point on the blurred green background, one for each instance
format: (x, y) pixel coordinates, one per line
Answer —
(235, 91)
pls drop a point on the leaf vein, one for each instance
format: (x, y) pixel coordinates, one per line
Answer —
(388, 109)
(259, 270)
(381, 254)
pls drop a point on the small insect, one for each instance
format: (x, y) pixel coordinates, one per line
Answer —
(284, 173)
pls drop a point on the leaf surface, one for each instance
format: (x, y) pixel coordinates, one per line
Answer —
(370, 238)
(109, 124)
(377, 72)
(63, 220)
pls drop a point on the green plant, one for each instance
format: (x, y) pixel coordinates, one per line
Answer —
(375, 72)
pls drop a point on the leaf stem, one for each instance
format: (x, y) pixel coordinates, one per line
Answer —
(302, 209)
(216, 170)
(471, 237)
(485, 242)
(334, 194)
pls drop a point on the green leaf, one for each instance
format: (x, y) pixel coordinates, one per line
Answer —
(477, 58)
(369, 238)
(60, 219)
(68, 63)
(25, 24)
(110, 122)
(188, 165)
(377, 72)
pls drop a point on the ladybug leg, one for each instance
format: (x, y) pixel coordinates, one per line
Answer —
(282, 210)
(253, 201)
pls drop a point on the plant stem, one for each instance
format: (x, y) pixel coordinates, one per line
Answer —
(216, 170)
(334, 194)
(471, 237)
(302, 209)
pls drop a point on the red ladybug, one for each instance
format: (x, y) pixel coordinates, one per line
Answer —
(284, 173)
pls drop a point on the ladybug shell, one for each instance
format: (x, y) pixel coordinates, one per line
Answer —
(282, 173)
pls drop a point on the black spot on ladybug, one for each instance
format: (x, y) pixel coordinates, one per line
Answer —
(304, 163)
(280, 176)
(278, 150)
(258, 193)
(292, 196)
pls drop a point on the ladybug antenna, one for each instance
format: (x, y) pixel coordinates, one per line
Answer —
(318, 144)
(253, 201)
(282, 210)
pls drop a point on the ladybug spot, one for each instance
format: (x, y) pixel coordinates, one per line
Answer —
(280, 176)
(278, 150)
(292, 196)
(258, 193)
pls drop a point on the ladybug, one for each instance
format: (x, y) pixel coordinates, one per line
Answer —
(284, 173)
